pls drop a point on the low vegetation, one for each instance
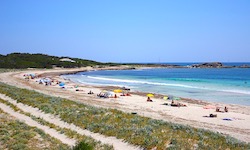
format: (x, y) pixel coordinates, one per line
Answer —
(17, 135)
(82, 140)
(10, 70)
(89, 142)
(26, 60)
(142, 131)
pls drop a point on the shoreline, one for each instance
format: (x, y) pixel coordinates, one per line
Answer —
(156, 95)
(191, 115)
(58, 72)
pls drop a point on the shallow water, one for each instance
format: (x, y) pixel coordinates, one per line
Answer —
(230, 86)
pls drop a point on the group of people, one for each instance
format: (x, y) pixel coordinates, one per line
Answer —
(90, 92)
(172, 103)
(177, 104)
(127, 94)
(218, 109)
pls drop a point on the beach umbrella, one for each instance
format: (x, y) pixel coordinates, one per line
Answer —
(150, 95)
(46, 80)
(177, 98)
(117, 90)
(170, 97)
(165, 97)
(32, 75)
(109, 93)
(61, 84)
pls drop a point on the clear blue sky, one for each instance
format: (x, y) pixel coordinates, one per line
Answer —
(128, 30)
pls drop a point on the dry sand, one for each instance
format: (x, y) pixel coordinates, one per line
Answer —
(191, 115)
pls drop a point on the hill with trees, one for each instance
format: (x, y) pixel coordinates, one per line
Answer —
(26, 60)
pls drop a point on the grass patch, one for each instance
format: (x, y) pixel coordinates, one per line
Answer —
(83, 146)
(142, 131)
(2, 70)
(82, 140)
(17, 135)
(69, 133)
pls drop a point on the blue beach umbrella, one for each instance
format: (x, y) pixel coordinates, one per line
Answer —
(46, 80)
(61, 84)
(32, 75)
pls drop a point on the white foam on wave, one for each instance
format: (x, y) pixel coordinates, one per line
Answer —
(140, 82)
(167, 84)
(237, 91)
(98, 84)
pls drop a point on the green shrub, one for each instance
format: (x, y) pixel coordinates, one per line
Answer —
(18, 146)
(16, 135)
(83, 146)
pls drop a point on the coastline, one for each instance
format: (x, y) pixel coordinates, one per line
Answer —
(191, 115)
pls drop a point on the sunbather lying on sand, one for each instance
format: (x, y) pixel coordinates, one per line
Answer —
(177, 104)
(125, 94)
(79, 90)
(211, 115)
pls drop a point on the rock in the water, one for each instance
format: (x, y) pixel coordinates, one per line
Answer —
(208, 65)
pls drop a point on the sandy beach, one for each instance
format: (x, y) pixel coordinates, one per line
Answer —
(192, 115)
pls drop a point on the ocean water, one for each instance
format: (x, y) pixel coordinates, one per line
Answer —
(230, 86)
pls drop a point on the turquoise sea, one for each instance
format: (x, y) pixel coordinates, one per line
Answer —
(230, 86)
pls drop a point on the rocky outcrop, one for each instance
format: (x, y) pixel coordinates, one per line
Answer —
(244, 66)
(208, 65)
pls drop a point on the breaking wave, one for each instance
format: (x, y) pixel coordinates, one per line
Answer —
(165, 84)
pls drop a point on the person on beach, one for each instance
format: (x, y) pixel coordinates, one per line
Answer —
(226, 109)
(149, 100)
(172, 102)
(123, 94)
(177, 104)
(128, 94)
(217, 109)
(90, 92)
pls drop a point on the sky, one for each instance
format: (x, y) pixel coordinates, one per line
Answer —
(128, 30)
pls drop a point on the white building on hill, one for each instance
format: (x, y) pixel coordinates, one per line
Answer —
(67, 59)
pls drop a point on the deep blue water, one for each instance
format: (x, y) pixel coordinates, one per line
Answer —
(218, 85)
(191, 63)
